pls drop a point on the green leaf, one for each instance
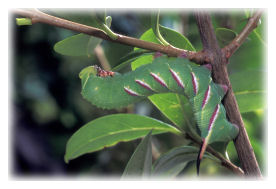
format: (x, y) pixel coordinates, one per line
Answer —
(109, 130)
(173, 162)
(175, 107)
(130, 57)
(225, 36)
(137, 53)
(250, 100)
(155, 28)
(141, 161)
(142, 60)
(248, 87)
(115, 51)
(77, 45)
(258, 34)
(91, 45)
(176, 39)
(148, 36)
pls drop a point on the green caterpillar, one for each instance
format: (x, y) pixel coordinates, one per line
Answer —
(178, 75)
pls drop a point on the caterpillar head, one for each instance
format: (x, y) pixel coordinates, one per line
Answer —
(96, 71)
(86, 72)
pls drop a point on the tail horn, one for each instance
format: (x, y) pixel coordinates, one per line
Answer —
(200, 155)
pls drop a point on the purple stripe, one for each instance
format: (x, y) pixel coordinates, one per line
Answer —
(158, 79)
(143, 84)
(177, 78)
(130, 92)
(194, 83)
(205, 97)
(214, 117)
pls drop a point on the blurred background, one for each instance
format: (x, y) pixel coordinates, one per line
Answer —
(47, 107)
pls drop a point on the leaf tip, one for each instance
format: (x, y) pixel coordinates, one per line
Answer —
(66, 159)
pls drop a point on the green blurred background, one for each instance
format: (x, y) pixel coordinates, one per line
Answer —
(47, 106)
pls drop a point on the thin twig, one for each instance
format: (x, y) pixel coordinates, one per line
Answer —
(40, 17)
(238, 41)
(200, 57)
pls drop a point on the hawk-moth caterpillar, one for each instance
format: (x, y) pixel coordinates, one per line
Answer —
(163, 75)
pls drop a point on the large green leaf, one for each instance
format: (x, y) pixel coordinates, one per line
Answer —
(77, 45)
(142, 60)
(168, 36)
(176, 39)
(173, 162)
(148, 36)
(141, 161)
(248, 87)
(109, 130)
(139, 61)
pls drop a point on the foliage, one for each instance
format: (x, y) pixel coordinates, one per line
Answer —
(100, 133)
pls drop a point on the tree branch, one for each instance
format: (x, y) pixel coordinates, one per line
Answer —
(242, 143)
(252, 23)
(40, 17)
